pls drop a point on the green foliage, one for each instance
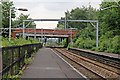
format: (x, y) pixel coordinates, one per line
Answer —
(88, 32)
(60, 24)
(84, 43)
(20, 41)
(109, 44)
(64, 42)
(6, 5)
(5, 17)
(11, 77)
(5, 12)
(109, 28)
(109, 40)
(116, 44)
(13, 42)
(85, 38)
(19, 21)
(28, 61)
(110, 18)
(79, 14)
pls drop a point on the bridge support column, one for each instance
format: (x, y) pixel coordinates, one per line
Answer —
(67, 42)
(27, 37)
(13, 35)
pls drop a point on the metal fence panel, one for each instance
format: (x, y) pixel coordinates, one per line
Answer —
(13, 58)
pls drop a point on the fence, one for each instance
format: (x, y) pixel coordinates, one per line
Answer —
(13, 58)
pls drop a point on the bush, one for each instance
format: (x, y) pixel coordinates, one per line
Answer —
(107, 43)
(84, 43)
(116, 44)
(20, 41)
(111, 45)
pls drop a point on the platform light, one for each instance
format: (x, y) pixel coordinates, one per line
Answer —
(10, 18)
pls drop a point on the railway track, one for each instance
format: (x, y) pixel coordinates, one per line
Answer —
(113, 62)
(91, 68)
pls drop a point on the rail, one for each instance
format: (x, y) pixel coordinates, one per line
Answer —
(14, 58)
(111, 61)
(91, 68)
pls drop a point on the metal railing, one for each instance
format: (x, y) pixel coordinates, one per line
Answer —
(13, 58)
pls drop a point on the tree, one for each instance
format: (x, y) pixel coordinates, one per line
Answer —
(61, 24)
(6, 13)
(80, 14)
(110, 18)
(6, 6)
(19, 21)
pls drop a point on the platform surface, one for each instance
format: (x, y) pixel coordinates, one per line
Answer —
(113, 55)
(46, 64)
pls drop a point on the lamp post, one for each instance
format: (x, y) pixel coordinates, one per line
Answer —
(114, 6)
(10, 18)
(10, 25)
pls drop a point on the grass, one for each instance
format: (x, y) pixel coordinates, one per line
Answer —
(17, 41)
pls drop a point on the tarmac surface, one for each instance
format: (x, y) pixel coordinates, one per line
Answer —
(47, 64)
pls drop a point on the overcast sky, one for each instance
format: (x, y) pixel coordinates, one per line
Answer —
(41, 9)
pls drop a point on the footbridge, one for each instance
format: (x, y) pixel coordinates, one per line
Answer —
(48, 33)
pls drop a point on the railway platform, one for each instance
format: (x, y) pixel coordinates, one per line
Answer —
(46, 64)
(117, 56)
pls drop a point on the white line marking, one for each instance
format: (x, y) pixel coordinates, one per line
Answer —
(71, 66)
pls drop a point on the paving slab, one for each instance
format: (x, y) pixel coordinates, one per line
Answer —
(47, 64)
